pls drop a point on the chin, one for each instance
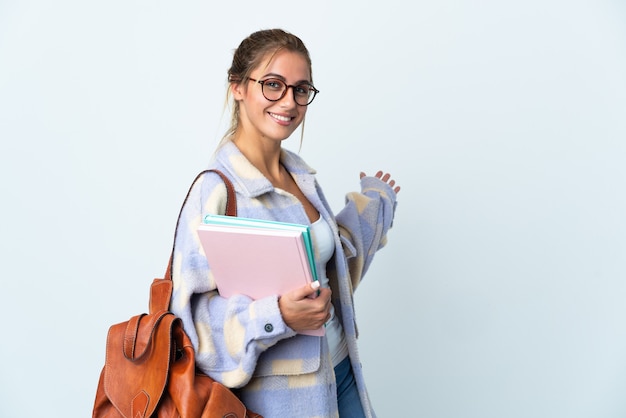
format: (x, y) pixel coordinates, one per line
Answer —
(281, 136)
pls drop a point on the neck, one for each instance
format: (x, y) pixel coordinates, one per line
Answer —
(264, 155)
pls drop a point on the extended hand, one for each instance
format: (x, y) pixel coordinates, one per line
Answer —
(386, 178)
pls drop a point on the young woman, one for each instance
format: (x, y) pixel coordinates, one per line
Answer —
(255, 345)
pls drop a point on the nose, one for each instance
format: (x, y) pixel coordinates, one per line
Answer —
(289, 99)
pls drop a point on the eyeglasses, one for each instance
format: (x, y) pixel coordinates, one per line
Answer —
(274, 89)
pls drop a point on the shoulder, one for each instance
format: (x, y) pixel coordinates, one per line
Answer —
(207, 193)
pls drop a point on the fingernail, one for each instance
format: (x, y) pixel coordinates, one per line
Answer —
(315, 284)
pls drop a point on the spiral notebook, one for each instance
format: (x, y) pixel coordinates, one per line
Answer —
(257, 258)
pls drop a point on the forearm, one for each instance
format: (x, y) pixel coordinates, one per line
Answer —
(364, 223)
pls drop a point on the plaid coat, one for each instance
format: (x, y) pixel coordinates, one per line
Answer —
(244, 343)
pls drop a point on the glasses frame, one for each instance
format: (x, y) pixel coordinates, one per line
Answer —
(262, 83)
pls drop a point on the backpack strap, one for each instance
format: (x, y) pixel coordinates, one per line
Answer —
(161, 289)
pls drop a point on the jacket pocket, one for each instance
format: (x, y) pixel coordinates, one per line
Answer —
(300, 354)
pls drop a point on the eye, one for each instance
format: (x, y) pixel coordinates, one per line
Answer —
(274, 84)
(303, 90)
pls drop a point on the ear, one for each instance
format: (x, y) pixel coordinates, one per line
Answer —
(237, 90)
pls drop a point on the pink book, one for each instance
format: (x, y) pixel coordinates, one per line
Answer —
(256, 262)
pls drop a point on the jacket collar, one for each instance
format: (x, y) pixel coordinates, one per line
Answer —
(247, 179)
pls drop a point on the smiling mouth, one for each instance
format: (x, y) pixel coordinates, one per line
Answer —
(280, 117)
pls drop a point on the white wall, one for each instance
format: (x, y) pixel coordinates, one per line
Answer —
(501, 291)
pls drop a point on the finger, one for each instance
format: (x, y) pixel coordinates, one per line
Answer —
(392, 183)
(304, 291)
(379, 174)
(386, 177)
(361, 175)
(324, 296)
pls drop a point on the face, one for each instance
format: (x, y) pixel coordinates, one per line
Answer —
(263, 119)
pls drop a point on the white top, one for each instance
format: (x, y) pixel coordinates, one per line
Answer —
(324, 244)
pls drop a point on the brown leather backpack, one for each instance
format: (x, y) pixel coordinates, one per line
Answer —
(150, 368)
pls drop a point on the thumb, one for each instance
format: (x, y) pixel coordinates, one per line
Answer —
(305, 291)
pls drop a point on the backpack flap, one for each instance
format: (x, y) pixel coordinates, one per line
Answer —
(137, 368)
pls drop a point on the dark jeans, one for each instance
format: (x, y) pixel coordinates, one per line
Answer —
(347, 392)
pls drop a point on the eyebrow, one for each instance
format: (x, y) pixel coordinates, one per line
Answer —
(274, 75)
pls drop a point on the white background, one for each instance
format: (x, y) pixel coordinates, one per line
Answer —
(501, 292)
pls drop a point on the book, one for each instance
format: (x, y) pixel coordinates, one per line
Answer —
(257, 258)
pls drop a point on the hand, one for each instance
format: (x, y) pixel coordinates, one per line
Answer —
(302, 311)
(386, 178)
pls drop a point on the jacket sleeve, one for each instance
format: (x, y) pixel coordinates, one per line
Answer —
(228, 334)
(364, 222)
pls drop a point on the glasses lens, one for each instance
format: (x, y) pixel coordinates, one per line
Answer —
(273, 89)
(303, 94)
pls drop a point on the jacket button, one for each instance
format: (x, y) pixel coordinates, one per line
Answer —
(269, 327)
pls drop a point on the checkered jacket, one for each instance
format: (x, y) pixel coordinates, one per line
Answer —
(245, 344)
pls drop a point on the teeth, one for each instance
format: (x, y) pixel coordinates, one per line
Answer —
(279, 117)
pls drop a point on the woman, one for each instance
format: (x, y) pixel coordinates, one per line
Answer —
(256, 345)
